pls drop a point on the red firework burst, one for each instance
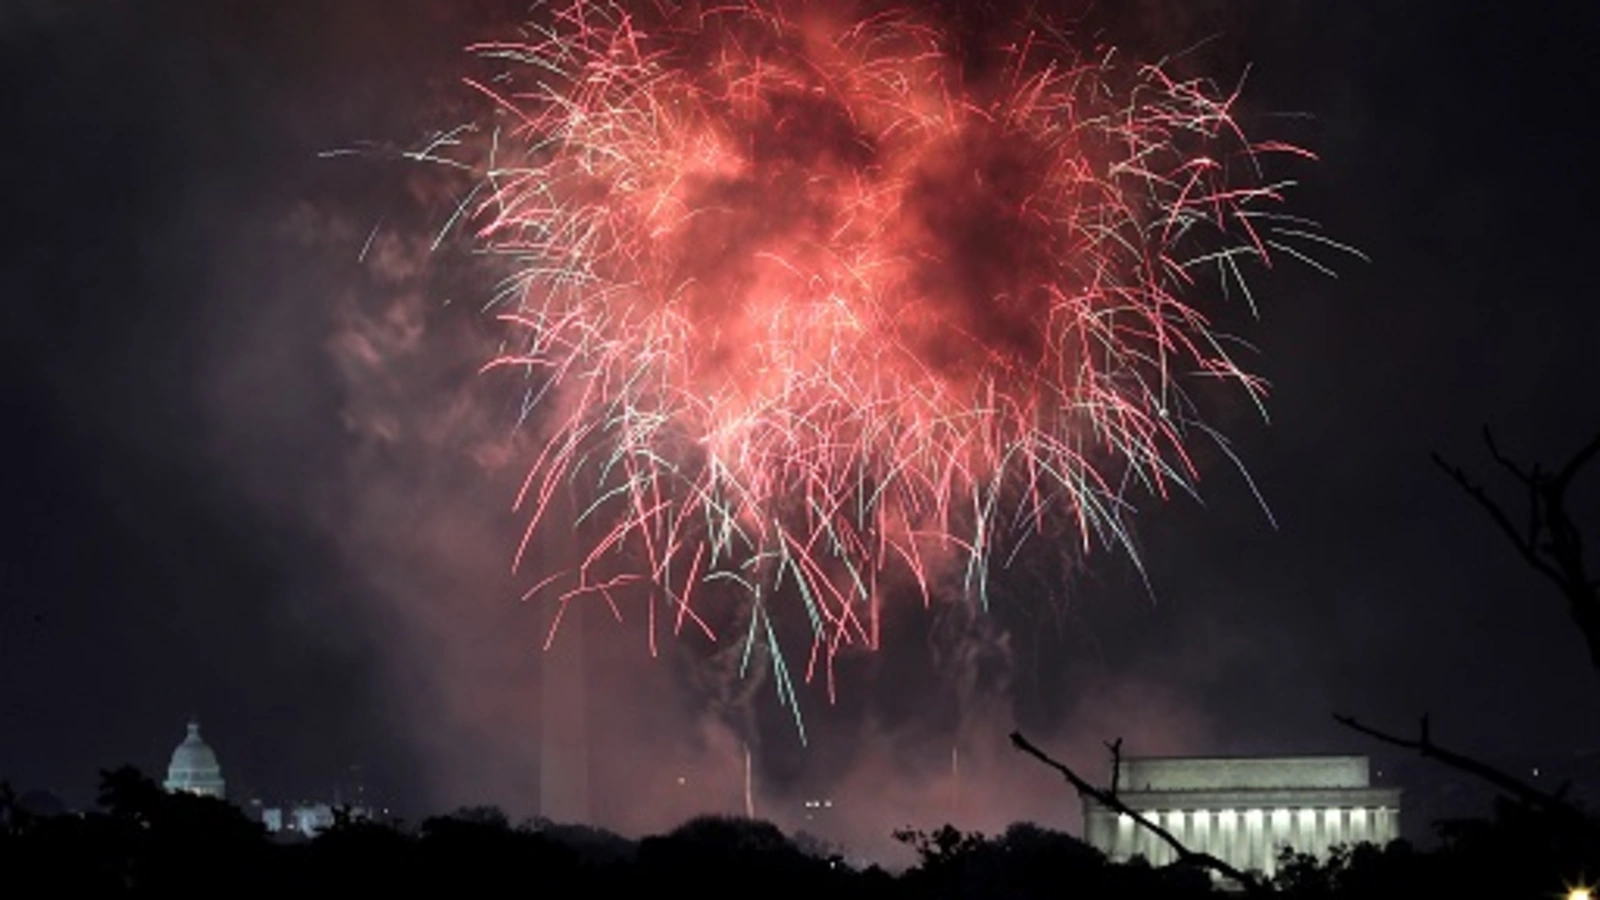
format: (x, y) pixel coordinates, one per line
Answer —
(804, 305)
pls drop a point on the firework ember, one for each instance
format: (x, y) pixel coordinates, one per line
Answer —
(805, 304)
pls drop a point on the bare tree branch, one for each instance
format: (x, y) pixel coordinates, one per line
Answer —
(1110, 800)
(1552, 543)
(1528, 479)
(1526, 545)
(1425, 746)
(1580, 459)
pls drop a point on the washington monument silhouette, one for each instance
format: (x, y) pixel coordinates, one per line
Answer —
(564, 720)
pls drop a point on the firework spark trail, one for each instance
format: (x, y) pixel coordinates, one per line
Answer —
(804, 307)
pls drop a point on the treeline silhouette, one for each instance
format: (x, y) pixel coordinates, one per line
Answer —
(144, 840)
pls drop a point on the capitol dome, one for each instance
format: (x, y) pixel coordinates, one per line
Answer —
(194, 767)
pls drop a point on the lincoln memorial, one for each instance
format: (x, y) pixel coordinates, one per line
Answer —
(1243, 810)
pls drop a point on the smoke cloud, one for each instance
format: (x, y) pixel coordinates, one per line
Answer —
(428, 453)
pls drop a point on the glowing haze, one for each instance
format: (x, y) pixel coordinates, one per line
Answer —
(809, 299)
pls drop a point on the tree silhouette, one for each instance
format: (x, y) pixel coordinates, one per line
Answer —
(1532, 829)
(1550, 541)
(178, 841)
(1547, 538)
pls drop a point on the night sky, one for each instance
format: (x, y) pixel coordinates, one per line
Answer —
(239, 474)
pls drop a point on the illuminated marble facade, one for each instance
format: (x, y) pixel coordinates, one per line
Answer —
(1244, 810)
